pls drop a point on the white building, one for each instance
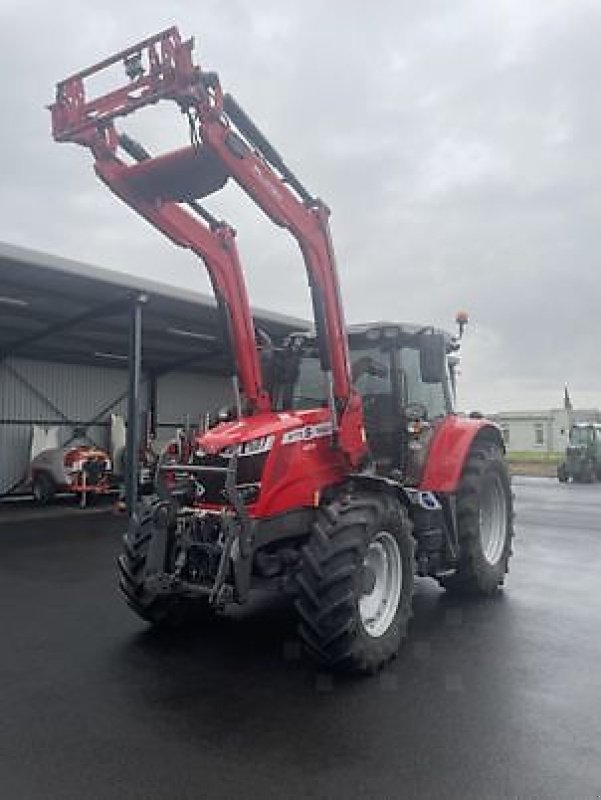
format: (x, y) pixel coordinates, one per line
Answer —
(541, 431)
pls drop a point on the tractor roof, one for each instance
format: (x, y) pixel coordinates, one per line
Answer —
(374, 331)
(400, 328)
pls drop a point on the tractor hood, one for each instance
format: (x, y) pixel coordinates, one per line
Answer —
(261, 426)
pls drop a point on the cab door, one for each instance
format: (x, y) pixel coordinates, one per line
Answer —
(374, 378)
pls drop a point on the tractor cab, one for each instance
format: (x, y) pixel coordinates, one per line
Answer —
(582, 462)
(404, 374)
(582, 435)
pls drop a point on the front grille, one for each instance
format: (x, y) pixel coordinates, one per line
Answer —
(211, 485)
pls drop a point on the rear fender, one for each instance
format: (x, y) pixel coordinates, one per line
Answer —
(452, 441)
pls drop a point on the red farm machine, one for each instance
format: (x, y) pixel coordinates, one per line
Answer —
(345, 471)
(79, 468)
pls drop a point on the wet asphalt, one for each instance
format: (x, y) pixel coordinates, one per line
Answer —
(488, 699)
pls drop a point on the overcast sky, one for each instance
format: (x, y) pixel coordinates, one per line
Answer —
(458, 145)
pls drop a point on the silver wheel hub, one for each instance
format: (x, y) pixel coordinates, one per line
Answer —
(493, 520)
(380, 601)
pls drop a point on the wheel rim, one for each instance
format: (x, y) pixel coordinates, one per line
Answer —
(378, 607)
(493, 520)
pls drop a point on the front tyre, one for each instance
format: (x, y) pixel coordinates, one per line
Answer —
(160, 610)
(485, 523)
(356, 582)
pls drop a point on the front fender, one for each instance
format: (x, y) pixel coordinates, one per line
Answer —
(449, 448)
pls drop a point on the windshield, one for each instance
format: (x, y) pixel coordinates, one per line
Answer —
(372, 370)
(310, 388)
(580, 436)
(430, 395)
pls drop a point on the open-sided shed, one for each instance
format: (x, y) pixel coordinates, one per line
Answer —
(69, 332)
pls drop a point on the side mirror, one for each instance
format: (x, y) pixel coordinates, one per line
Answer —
(432, 358)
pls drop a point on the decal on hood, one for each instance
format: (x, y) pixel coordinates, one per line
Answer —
(308, 432)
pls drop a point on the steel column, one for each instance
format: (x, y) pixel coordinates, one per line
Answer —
(153, 405)
(133, 413)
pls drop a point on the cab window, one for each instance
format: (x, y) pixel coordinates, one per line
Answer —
(430, 395)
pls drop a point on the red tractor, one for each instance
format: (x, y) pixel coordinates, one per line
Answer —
(344, 471)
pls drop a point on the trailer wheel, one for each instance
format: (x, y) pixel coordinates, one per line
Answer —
(356, 583)
(160, 610)
(43, 488)
(485, 523)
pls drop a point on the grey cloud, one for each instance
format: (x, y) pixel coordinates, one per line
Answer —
(457, 145)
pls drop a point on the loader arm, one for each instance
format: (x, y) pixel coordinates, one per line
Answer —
(215, 244)
(224, 143)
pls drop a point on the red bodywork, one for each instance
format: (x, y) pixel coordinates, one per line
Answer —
(449, 448)
(300, 462)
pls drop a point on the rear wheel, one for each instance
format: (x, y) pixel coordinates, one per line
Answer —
(43, 488)
(158, 609)
(356, 582)
(485, 523)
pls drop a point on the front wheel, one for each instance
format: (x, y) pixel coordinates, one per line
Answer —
(144, 534)
(485, 523)
(356, 582)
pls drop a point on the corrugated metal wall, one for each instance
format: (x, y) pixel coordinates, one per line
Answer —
(50, 394)
(180, 395)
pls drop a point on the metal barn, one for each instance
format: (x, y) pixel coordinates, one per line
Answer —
(68, 332)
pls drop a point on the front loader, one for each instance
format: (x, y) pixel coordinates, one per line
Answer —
(344, 471)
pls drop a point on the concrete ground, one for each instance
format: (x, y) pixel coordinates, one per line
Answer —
(487, 700)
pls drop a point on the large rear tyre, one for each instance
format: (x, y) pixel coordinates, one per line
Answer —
(485, 523)
(356, 582)
(159, 610)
